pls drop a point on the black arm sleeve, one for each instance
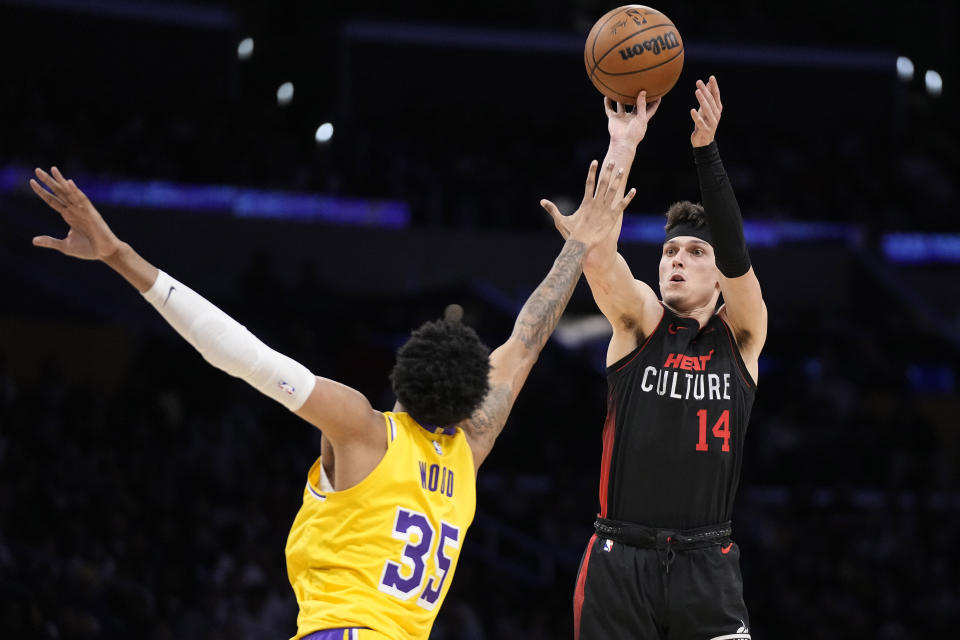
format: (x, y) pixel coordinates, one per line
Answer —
(722, 212)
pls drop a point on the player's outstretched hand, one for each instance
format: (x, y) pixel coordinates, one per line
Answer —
(629, 127)
(602, 206)
(707, 117)
(89, 237)
(565, 224)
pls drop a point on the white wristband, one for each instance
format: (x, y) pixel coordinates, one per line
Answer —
(227, 345)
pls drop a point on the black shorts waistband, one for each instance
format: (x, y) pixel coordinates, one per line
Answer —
(638, 535)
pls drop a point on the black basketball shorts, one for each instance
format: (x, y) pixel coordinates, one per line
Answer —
(627, 592)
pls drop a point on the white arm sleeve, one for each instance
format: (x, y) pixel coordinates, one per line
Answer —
(227, 345)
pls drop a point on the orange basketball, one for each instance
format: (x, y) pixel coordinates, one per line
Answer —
(633, 48)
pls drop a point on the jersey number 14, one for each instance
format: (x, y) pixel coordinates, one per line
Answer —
(720, 430)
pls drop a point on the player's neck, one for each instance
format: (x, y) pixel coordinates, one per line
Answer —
(701, 314)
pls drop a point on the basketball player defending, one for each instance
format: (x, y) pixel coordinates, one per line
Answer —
(682, 376)
(387, 505)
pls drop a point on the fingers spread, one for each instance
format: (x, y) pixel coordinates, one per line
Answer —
(560, 221)
(707, 107)
(614, 186)
(609, 106)
(715, 91)
(50, 182)
(59, 176)
(52, 200)
(73, 193)
(707, 98)
(551, 209)
(65, 189)
(604, 183)
(590, 188)
(69, 189)
(48, 243)
(627, 198)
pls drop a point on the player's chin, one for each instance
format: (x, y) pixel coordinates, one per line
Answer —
(672, 297)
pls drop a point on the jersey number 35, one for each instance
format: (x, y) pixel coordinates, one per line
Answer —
(408, 577)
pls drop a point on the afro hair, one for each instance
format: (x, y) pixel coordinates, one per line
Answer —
(442, 373)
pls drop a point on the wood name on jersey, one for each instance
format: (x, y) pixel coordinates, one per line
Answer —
(436, 478)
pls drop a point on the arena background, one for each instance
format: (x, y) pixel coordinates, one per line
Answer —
(145, 494)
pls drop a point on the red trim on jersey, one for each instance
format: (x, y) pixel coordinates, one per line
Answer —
(737, 358)
(645, 342)
(609, 430)
(578, 592)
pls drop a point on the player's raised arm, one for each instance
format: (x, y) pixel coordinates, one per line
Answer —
(630, 305)
(342, 413)
(744, 308)
(600, 211)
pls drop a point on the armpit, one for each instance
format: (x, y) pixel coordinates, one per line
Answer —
(743, 337)
(629, 324)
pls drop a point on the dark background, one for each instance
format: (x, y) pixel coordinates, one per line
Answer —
(145, 494)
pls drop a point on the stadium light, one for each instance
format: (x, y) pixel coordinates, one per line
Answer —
(905, 68)
(245, 49)
(324, 133)
(285, 94)
(933, 82)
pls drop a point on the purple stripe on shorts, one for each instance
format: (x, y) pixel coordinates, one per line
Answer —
(333, 634)
(326, 634)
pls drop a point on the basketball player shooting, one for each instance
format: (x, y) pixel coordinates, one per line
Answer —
(682, 376)
(387, 504)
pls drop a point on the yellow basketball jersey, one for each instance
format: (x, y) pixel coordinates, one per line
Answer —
(381, 554)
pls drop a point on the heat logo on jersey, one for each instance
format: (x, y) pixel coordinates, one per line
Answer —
(689, 363)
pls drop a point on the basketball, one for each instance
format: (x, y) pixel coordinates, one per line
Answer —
(633, 48)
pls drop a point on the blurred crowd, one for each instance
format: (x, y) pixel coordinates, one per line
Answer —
(158, 505)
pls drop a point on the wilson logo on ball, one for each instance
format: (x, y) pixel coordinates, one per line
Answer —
(653, 45)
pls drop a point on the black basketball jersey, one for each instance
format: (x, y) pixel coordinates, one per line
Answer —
(677, 414)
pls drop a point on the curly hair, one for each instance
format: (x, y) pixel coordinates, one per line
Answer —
(442, 373)
(685, 211)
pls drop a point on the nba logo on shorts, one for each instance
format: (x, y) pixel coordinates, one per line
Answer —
(607, 545)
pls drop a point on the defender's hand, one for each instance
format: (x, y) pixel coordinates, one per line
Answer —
(602, 206)
(629, 128)
(89, 237)
(592, 193)
(707, 117)
(563, 223)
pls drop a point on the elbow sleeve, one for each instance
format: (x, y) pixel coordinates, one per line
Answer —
(228, 345)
